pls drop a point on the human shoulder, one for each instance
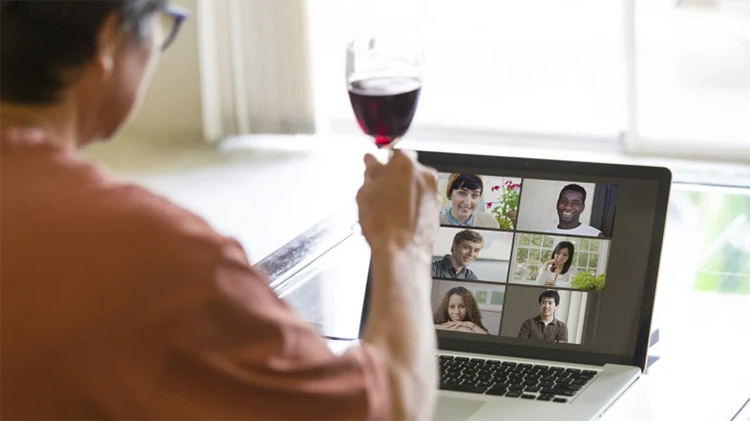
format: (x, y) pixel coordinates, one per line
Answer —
(585, 229)
(470, 275)
(529, 324)
(444, 220)
(485, 220)
(560, 323)
(151, 215)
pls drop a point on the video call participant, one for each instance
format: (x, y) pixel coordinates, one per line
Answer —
(119, 304)
(465, 249)
(458, 311)
(545, 326)
(556, 272)
(570, 204)
(464, 191)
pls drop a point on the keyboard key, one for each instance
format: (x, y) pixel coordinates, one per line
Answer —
(463, 388)
(560, 400)
(579, 382)
(502, 384)
(496, 391)
(528, 396)
(564, 392)
(567, 387)
(544, 397)
(514, 394)
(532, 389)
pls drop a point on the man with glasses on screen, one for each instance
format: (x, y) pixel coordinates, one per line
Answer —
(545, 326)
(117, 303)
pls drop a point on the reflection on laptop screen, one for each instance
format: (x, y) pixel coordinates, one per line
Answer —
(546, 262)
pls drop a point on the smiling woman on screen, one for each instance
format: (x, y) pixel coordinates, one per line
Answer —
(464, 191)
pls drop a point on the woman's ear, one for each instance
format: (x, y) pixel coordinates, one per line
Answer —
(108, 42)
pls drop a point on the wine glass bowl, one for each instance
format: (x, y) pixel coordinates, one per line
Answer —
(384, 80)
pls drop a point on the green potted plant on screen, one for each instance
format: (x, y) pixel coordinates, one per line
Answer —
(505, 207)
(589, 281)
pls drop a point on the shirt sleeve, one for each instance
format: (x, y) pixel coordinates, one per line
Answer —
(237, 351)
(525, 331)
(562, 335)
(540, 276)
(435, 268)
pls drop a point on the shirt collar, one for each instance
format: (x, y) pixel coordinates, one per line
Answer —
(469, 222)
(553, 322)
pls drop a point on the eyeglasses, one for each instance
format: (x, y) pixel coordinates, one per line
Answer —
(169, 18)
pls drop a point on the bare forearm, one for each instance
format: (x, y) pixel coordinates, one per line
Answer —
(398, 205)
(401, 326)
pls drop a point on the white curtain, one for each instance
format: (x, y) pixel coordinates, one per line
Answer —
(255, 67)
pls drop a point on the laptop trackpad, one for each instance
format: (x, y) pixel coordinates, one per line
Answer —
(456, 408)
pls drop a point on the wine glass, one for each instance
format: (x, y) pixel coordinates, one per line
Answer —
(384, 78)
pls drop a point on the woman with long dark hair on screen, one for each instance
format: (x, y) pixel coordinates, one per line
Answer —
(556, 272)
(458, 311)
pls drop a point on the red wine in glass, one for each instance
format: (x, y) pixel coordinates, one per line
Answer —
(384, 106)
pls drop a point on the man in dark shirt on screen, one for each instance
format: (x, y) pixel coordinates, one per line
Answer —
(465, 249)
(545, 326)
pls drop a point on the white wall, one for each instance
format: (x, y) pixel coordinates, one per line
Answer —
(171, 110)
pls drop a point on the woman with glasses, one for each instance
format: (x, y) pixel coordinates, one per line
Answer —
(117, 303)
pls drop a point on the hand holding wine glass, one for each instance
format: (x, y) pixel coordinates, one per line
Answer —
(384, 79)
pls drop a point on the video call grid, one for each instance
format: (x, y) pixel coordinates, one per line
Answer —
(513, 250)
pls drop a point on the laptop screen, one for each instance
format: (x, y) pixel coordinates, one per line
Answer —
(546, 259)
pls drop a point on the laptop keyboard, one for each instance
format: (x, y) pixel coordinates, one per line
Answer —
(514, 380)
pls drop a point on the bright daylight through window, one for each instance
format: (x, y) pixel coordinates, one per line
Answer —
(667, 73)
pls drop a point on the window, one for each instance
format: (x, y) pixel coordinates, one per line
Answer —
(670, 77)
(691, 76)
(539, 66)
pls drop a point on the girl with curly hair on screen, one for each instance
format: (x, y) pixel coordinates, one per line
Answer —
(458, 311)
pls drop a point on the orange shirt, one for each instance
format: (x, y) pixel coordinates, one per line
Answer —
(117, 303)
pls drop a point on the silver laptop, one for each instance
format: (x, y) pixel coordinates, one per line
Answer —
(544, 274)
